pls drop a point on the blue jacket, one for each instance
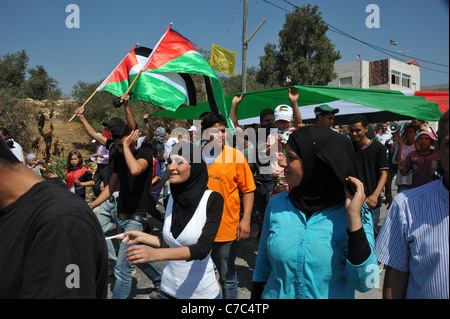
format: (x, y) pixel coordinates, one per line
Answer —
(307, 259)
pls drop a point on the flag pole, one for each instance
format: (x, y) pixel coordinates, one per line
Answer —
(92, 95)
(132, 83)
(100, 86)
(148, 60)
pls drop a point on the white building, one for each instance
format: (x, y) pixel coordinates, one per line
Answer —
(387, 74)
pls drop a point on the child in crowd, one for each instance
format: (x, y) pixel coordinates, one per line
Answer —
(78, 177)
(422, 162)
(35, 165)
(276, 145)
(101, 156)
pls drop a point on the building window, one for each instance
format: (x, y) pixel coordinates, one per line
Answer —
(346, 82)
(406, 80)
(395, 77)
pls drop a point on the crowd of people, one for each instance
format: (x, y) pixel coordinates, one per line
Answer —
(314, 190)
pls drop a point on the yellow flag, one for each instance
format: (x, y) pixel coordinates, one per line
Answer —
(223, 60)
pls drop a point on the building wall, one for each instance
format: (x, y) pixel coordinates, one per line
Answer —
(357, 75)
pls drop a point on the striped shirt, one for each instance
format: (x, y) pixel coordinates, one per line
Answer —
(414, 239)
(277, 170)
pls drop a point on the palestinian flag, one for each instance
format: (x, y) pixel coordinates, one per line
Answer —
(392, 42)
(175, 53)
(441, 98)
(173, 89)
(118, 81)
(376, 105)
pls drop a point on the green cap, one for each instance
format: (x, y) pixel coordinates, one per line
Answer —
(324, 109)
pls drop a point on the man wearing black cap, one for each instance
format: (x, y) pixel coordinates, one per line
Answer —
(107, 211)
(133, 172)
(325, 115)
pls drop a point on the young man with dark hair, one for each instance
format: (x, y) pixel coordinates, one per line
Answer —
(51, 244)
(229, 173)
(107, 211)
(413, 241)
(372, 165)
(133, 172)
(325, 115)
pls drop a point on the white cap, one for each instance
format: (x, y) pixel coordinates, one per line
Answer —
(283, 112)
(192, 128)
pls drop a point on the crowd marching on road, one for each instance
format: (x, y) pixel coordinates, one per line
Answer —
(298, 212)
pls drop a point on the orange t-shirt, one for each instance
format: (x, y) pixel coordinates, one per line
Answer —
(228, 174)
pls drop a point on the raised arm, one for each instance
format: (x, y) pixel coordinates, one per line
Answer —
(233, 112)
(293, 98)
(129, 116)
(88, 128)
(136, 166)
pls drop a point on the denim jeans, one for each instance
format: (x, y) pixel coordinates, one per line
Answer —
(263, 193)
(107, 217)
(123, 268)
(224, 256)
(376, 219)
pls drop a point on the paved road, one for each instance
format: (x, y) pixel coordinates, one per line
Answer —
(246, 256)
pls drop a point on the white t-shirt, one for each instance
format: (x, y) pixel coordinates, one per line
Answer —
(168, 146)
(383, 137)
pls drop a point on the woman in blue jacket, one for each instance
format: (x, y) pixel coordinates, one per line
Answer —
(317, 239)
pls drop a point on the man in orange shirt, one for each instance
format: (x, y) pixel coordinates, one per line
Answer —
(228, 172)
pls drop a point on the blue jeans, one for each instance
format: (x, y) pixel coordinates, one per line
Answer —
(124, 268)
(376, 219)
(107, 217)
(263, 193)
(224, 256)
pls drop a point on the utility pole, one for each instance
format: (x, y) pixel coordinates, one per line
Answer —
(244, 48)
(245, 42)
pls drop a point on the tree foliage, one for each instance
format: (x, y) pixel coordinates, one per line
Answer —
(305, 56)
(40, 85)
(13, 69)
(100, 108)
(13, 77)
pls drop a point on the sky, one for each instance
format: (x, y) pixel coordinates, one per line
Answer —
(108, 29)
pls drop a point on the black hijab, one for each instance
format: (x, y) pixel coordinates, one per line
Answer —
(328, 158)
(187, 195)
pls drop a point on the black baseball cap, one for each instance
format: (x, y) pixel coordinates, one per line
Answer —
(115, 121)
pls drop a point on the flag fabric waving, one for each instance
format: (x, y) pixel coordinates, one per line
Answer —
(376, 105)
(118, 81)
(168, 90)
(223, 60)
(175, 53)
(174, 89)
(392, 42)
